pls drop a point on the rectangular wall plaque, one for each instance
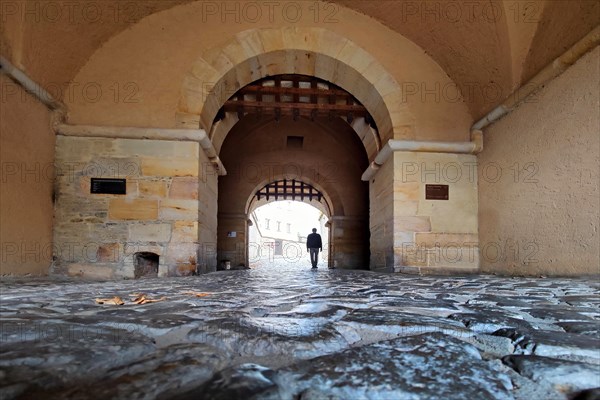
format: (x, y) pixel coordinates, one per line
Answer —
(108, 186)
(436, 192)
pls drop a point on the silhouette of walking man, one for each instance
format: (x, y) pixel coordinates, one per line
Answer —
(313, 246)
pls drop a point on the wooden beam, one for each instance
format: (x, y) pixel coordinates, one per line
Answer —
(253, 89)
(296, 86)
(232, 105)
(278, 87)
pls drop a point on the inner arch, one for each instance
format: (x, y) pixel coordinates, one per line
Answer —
(290, 189)
(330, 159)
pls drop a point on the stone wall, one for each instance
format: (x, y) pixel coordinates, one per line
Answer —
(207, 215)
(163, 212)
(412, 234)
(539, 179)
(27, 174)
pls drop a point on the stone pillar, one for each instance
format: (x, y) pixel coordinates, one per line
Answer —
(410, 233)
(381, 221)
(207, 214)
(348, 245)
(232, 232)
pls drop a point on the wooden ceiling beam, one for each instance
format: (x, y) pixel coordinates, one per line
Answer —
(256, 89)
(232, 105)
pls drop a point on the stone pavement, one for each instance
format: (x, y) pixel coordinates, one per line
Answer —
(291, 333)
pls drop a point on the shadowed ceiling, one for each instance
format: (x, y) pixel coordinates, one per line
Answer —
(476, 43)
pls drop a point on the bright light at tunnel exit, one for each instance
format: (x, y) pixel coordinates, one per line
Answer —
(277, 235)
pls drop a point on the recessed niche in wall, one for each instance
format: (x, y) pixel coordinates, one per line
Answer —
(295, 142)
(145, 265)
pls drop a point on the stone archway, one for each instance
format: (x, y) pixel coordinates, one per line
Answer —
(258, 53)
(331, 160)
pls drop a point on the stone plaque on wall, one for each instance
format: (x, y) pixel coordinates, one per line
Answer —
(436, 192)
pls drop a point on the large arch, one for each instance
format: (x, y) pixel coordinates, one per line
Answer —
(259, 53)
(178, 64)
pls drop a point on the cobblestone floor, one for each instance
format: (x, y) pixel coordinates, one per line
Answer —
(293, 333)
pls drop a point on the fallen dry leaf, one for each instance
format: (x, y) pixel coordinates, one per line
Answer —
(114, 301)
(145, 300)
(197, 294)
(137, 297)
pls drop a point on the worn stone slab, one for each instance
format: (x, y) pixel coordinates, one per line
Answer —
(489, 321)
(128, 209)
(88, 271)
(67, 354)
(246, 381)
(184, 188)
(409, 368)
(373, 325)
(161, 375)
(558, 313)
(152, 189)
(148, 232)
(179, 210)
(415, 367)
(554, 344)
(169, 167)
(287, 338)
(590, 328)
(566, 376)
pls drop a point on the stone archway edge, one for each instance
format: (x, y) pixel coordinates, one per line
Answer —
(137, 133)
(257, 53)
(473, 147)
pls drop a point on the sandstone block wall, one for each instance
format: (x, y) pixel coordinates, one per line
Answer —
(97, 235)
(412, 234)
(381, 222)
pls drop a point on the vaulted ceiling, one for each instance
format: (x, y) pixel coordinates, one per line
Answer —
(477, 44)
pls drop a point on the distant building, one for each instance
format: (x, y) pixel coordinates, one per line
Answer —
(279, 230)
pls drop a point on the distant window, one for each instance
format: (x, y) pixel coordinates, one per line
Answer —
(295, 142)
(278, 226)
(267, 221)
(289, 228)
